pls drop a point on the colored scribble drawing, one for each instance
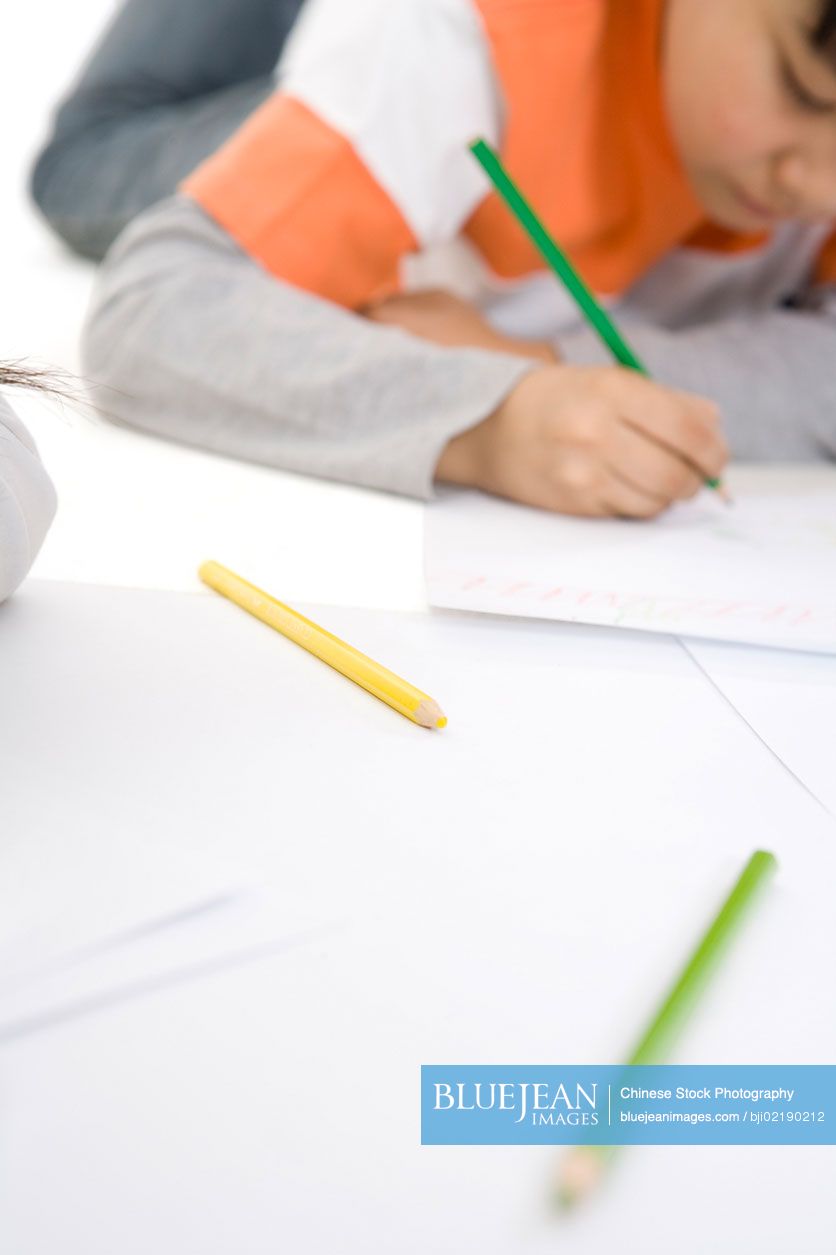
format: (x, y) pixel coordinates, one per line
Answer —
(760, 572)
(574, 603)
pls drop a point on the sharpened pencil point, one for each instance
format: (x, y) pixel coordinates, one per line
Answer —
(717, 485)
(581, 1173)
(430, 715)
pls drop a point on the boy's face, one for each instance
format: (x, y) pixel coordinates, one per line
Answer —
(752, 107)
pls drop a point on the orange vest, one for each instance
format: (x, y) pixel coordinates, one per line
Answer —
(583, 132)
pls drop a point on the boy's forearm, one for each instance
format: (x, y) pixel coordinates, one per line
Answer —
(772, 376)
(443, 318)
(192, 340)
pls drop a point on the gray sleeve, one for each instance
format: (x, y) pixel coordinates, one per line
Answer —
(773, 377)
(27, 501)
(191, 339)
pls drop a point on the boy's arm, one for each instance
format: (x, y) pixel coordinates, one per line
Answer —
(772, 377)
(362, 157)
(194, 341)
(446, 319)
(27, 501)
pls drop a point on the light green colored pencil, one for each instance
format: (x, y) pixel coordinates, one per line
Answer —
(547, 246)
(584, 1166)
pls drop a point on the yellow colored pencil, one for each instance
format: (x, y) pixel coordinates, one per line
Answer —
(370, 675)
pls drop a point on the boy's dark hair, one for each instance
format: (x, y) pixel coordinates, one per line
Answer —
(824, 32)
(18, 375)
(14, 376)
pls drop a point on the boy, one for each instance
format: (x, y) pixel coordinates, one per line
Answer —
(683, 151)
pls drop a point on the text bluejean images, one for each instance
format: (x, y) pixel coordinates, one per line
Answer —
(622, 1106)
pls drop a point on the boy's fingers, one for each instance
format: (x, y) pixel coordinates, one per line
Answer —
(623, 499)
(692, 437)
(687, 425)
(650, 467)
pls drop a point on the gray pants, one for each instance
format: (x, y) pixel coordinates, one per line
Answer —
(167, 83)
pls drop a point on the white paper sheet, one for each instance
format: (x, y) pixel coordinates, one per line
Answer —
(225, 934)
(762, 571)
(519, 887)
(788, 698)
(137, 722)
(76, 883)
(103, 791)
(278, 1087)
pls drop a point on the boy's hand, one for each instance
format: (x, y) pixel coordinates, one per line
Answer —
(445, 319)
(591, 442)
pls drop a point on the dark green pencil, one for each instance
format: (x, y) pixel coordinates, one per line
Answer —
(547, 246)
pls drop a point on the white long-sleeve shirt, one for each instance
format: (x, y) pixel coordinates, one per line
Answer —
(27, 501)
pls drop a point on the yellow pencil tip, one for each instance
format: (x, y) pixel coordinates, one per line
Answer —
(429, 714)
